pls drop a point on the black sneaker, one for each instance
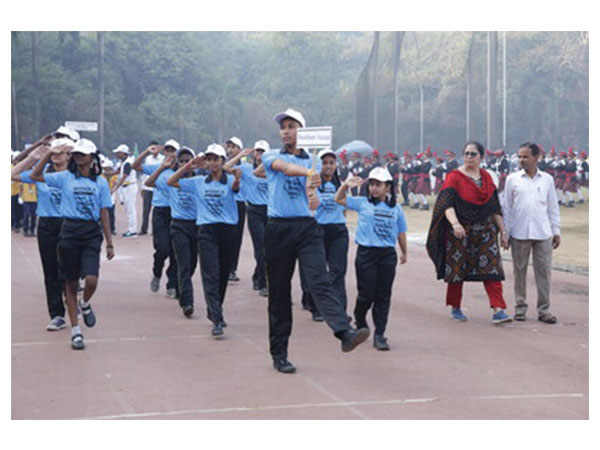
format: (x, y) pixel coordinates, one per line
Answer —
(264, 292)
(353, 338)
(380, 343)
(188, 311)
(316, 316)
(425, 207)
(547, 318)
(77, 342)
(415, 206)
(89, 318)
(284, 366)
(217, 329)
(155, 284)
(255, 285)
(233, 277)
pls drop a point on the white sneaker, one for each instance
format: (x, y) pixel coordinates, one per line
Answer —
(58, 323)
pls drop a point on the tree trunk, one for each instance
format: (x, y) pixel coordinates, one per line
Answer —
(35, 64)
(468, 95)
(15, 116)
(399, 36)
(101, 89)
(492, 81)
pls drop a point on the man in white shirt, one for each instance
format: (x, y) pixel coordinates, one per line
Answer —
(128, 185)
(532, 218)
(147, 191)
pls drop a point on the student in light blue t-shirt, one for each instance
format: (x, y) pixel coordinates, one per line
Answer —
(85, 197)
(332, 221)
(161, 220)
(380, 223)
(50, 220)
(256, 194)
(217, 218)
(184, 231)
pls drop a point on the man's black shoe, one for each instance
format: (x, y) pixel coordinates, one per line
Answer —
(353, 338)
(217, 329)
(284, 366)
(381, 343)
(316, 316)
(233, 277)
(547, 318)
(188, 311)
(255, 285)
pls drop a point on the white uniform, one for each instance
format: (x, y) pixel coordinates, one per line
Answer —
(129, 191)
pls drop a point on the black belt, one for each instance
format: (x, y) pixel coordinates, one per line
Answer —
(290, 219)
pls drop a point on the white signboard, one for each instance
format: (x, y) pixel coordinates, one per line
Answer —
(82, 126)
(314, 137)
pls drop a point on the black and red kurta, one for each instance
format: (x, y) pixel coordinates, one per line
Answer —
(476, 257)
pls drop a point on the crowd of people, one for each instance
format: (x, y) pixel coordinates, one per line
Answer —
(295, 204)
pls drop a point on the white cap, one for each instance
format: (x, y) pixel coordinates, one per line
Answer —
(262, 145)
(62, 141)
(186, 149)
(326, 151)
(380, 174)
(84, 146)
(292, 114)
(172, 143)
(73, 135)
(216, 149)
(121, 149)
(105, 162)
(14, 153)
(235, 140)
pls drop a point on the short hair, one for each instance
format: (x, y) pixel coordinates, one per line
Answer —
(535, 149)
(479, 147)
(153, 143)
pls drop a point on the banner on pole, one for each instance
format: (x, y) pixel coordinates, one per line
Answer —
(82, 126)
(314, 137)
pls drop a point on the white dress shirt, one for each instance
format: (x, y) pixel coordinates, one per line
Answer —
(531, 207)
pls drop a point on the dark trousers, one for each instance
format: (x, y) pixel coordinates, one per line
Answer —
(147, 201)
(239, 234)
(161, 222)
(335, 239)
(285, 241)
(404, 190)
(16, 212)
(111, 218)
(215, 246)
(47, 238)
(184, 238)
(257, 222)
(29, 217)
(375, 272)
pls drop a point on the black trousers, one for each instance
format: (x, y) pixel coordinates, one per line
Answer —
(29, 216)
(111, 218)
(184, 238)
(375, 272)
(257, 222)
(47, 238)
(404, 190)
(215, 247)
(239, 234)
(147, 202)
(16, 211)
(288, 240)
(335, 239)
(161, 239)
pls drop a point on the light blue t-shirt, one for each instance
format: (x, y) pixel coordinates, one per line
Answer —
(81, 197)
(215, 200)
(48, 198)
(378, 225)
(287, 195)
(183, 203)
(160, 197)
(255, 189)
(329, 212)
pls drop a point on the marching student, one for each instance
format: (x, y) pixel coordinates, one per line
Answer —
(161, 220)
(184, 231)
(257, 195)
(233, 148)
(128, 185)
(29, 198)
(85, 197)
(380, 223)
(292, 234)
(111, 176)
(50, 220)
(216, 217)
(332, 221)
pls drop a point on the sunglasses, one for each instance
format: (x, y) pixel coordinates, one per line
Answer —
(471, 154)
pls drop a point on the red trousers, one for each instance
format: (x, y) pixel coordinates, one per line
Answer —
(493, 289)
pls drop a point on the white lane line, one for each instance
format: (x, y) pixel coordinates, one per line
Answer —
(109, 340)
(261, 408)
(513, 397)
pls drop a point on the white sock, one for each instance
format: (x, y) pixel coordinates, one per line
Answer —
(580, 194)
(423, 199)
(75, 330)
(83, 303)
(570, 196)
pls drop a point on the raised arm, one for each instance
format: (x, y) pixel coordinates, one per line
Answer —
(340, 195)
(174, 179)
(45, 140)
(228, 166)
(26, 164)
(260, 172)
(137, 164)
(164, 165)
(38, 171)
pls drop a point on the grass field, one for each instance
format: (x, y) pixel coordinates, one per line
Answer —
(573, 253)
